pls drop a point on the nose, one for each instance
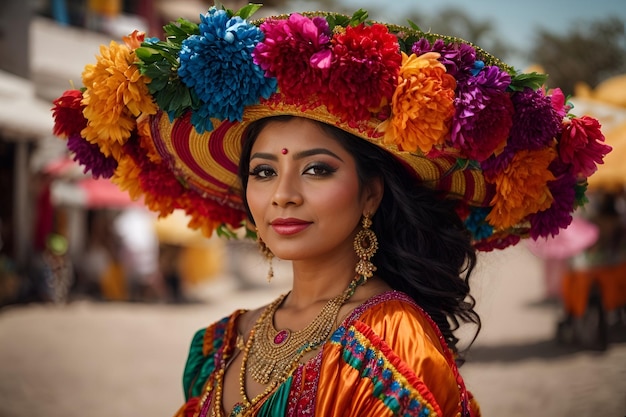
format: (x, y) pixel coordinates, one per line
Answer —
(287, 191)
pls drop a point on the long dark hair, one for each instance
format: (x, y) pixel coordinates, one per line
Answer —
(424, 249)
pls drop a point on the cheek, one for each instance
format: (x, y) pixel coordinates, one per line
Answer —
(256, 202)
(342, 198)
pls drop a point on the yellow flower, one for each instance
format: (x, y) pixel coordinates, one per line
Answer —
(422, 105)
(522, 189)
(116, 93)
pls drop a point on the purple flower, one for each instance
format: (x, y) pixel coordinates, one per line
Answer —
(459, 59)
(559, 215)
(535, 123)
(484, 114)
(88, 155)
(495, 164)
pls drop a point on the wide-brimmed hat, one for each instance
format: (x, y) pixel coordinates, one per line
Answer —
(164, 119)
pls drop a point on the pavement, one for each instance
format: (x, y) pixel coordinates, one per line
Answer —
(125, 359)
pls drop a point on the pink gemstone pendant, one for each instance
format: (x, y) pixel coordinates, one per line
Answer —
(281, 337)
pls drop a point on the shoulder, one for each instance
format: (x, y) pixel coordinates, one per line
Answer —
(205, 345)
(395, 317)
(395, 330)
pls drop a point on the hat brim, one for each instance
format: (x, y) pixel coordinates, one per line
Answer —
(208, 162)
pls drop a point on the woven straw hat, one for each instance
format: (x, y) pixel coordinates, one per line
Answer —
(165, 119)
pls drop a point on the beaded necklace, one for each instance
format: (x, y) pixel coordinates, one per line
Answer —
(271, 355)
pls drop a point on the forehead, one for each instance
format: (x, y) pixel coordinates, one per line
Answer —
(295, 134)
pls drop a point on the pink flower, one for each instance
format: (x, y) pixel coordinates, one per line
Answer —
(581, 145)
(297, 52)
(364, 72)
(559, 103)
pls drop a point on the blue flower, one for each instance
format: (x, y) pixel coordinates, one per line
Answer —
(477, 224)
(217, 64)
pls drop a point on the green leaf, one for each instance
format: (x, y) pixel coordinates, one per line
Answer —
(224, 231)
(145, 53)
(247, 11)
(358, 17)
(532, 80)
(413, 25)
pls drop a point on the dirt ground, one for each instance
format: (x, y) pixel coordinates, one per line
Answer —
(125, 359)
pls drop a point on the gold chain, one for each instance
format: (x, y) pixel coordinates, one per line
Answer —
(271, 354)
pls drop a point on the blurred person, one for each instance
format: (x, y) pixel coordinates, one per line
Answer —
(376, 158)
(51, 273)
(138, 253)
(169, 267)
(98, 256)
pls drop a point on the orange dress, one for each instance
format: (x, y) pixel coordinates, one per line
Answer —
(387, 358)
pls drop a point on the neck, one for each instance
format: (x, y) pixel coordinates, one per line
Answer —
(314, 282)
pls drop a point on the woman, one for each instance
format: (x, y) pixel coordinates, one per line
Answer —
(376, 158)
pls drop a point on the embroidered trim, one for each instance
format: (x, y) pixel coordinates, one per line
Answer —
(373, 359)
(400, 296)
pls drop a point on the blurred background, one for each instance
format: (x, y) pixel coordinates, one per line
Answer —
(99, 299)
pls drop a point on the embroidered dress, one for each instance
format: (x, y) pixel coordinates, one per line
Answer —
(387, 358)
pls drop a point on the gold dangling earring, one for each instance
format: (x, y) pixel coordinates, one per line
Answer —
(268, 255)
(365, 246)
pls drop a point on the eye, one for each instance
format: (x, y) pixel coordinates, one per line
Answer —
(319, 170)
(262, 172)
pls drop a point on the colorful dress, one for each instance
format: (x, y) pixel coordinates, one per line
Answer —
(387, 358)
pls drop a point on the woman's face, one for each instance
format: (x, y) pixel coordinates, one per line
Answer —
(303, 191)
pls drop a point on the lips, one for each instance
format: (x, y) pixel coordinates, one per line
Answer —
(289, 226)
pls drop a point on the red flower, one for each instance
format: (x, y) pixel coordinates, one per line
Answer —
(68, 114)
(364, 72)
(207, 214)
(581, 145)
(497, 242)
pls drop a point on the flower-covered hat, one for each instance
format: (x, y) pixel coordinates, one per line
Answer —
(164, 119)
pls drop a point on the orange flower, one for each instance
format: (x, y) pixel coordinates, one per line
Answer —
(522, 189)
(134, 40)
(145, 139)
(126, 176)
(422, 105)
(116, 94)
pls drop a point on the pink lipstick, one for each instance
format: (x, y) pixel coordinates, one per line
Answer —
(289, 226)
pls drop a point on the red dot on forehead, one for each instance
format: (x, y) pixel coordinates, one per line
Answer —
(284, 151)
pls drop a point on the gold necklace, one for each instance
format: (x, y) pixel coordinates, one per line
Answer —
(270, 354)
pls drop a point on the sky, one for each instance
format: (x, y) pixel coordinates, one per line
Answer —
(515, 21)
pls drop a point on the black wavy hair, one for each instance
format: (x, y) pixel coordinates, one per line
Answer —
(424, 250)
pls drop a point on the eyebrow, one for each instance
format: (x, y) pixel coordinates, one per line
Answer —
(297, 155)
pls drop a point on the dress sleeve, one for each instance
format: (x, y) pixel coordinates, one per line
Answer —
(389, 362)
(206, 346)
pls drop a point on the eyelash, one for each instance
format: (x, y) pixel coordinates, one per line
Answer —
(326, 169)
(256, 171)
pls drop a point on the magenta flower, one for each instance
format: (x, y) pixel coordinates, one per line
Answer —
(559, 104)
(535, 123)
(559, 215)
(89, 156)
(500, 242)
(297, 52)
(581, 145)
